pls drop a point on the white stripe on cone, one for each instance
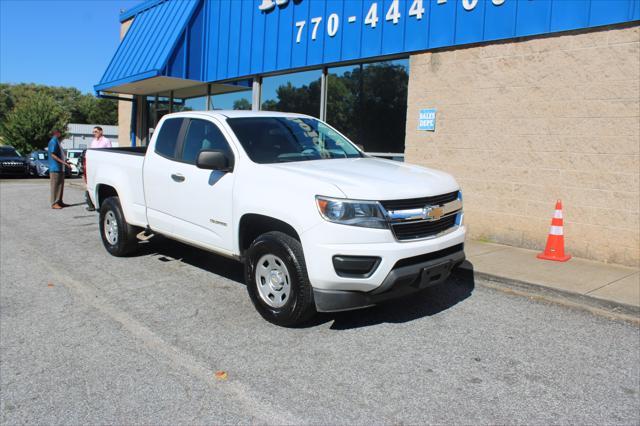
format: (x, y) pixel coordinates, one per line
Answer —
(557, 214)
(556, 230)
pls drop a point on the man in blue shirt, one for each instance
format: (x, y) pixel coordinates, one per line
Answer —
(57, 164)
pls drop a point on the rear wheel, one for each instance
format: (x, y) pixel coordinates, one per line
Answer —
(277, 281)
(118, 237)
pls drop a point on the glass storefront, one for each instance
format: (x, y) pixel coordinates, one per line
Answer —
(157, 107)
(234, 100)
(368, 103)
(298, 92)
(192, 104)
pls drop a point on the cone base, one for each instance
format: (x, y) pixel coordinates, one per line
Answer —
(552, 257)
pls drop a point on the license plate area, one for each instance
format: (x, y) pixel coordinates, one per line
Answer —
(434, 275)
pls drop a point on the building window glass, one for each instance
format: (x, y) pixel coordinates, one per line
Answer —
(234, 100)
(368, 103)
(191, 104)
(299, 92)
(156, 109)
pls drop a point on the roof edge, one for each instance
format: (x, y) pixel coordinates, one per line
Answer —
(130, 13)
(130, 79)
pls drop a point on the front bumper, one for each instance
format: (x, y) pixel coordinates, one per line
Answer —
(326, 240)
(406, 277)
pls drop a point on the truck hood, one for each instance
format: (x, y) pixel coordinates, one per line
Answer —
(374, 179)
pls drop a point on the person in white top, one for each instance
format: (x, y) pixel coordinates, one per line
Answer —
(99, 141)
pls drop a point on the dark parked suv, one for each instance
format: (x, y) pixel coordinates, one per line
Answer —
(12, 163)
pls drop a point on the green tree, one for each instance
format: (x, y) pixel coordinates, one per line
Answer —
(29, 124)
(82, 108)
(100, 111)
(242, 104)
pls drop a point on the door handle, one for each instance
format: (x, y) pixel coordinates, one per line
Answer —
(177, 177)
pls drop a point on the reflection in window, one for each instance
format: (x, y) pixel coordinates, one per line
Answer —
(299, 92)
(233, 100)
(368, 103)
(280, 139)
(191, 104)
(156, 109)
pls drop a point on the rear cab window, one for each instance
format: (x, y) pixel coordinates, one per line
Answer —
(167, 139)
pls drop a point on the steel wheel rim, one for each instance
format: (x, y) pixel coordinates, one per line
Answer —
(273, 281)
(111, 228)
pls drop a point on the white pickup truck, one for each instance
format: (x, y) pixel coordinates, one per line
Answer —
(319, 225)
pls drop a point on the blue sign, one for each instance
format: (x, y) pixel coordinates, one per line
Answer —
(427, 120)
(217, 40)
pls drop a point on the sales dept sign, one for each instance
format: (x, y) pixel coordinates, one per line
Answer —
(427, 120)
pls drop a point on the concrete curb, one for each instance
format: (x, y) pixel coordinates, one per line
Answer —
(595, 305)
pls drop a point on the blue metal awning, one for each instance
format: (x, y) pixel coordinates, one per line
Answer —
(147, 46)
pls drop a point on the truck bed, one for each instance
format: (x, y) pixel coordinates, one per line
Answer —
(123, 173)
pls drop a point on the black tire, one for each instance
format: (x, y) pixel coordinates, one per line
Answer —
(125, 241)
(299, 306)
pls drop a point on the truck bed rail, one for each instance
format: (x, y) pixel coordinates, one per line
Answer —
(132, 150)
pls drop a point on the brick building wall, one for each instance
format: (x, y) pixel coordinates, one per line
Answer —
(124, 107)
(523, 123)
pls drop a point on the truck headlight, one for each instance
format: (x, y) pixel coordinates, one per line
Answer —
(367, 214)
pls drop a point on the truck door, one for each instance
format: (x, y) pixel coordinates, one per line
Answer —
(156, 175)
(201, 200)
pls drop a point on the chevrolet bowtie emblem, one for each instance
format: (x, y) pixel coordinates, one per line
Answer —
(432, 213)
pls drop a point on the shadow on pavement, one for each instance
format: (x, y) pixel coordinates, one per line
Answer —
(167, 250)
(428, 302)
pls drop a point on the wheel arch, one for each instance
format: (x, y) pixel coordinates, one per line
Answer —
(104, 191)
(252, 225)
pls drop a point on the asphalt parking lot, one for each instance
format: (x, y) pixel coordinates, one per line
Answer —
(90, 338)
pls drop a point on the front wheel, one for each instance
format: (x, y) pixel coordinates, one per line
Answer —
(118, 237)
(277, 281)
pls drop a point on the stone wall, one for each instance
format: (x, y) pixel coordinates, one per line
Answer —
(523, 123)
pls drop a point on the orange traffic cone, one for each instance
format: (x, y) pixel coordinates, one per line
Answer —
(555, 242)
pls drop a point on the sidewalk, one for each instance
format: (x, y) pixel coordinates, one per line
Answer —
(599, 285)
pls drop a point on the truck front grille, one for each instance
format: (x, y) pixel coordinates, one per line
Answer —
(426, 217)
(422, 229)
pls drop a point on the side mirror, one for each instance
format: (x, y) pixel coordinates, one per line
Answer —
(214, 159)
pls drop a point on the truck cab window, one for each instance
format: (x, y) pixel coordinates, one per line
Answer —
(201, 135)
(168, 137)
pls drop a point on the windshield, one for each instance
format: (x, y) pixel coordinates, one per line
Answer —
(284, 139)
(40, 155)
(6, 151)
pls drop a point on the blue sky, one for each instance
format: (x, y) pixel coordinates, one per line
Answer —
(58, 43)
